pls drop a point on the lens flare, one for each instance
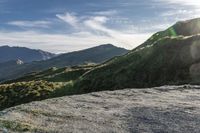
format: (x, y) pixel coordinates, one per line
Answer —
(172, 32)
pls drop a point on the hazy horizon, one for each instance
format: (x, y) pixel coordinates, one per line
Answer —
(60, 26)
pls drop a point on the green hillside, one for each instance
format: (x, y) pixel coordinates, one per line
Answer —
(168, 61)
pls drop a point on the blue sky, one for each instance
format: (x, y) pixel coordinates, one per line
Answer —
(66, 25)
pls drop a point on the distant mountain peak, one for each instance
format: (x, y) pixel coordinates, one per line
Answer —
(108, 45)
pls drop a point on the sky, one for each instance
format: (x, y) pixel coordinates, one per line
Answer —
(61, 26)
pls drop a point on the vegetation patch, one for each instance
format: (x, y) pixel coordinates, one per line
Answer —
(23, 92)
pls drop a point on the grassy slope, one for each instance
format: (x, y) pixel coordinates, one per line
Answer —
(50, 83)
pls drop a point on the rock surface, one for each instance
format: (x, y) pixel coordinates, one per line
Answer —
(153, 110)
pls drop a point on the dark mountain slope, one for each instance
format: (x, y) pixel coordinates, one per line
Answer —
(54, 74)
(97, 54)
(9, 66)
(25, 54)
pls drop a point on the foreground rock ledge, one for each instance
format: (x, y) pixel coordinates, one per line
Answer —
(162, 109)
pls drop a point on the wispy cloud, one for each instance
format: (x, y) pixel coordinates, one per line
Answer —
(69, 18)
(30, 24)
(96, 25)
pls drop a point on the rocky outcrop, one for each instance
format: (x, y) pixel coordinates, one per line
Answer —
(161, 109)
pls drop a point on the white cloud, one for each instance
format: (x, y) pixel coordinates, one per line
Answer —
(99, 19)
(30, 24)
(69, 18)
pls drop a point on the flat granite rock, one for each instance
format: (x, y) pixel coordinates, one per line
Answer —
(166, 109)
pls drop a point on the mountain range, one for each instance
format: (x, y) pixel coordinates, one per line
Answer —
(95, 55)
(8, 53)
